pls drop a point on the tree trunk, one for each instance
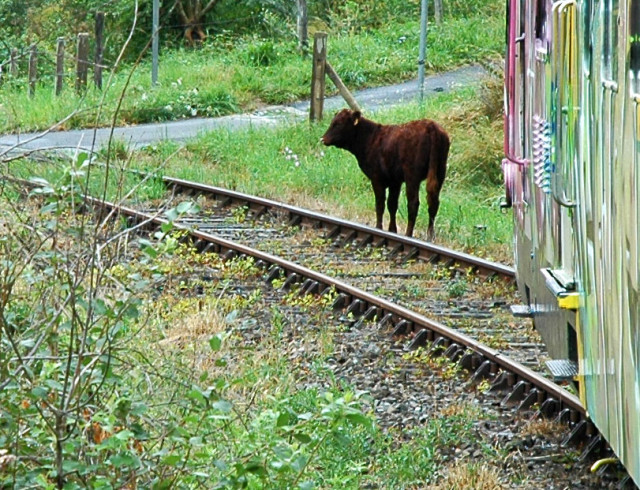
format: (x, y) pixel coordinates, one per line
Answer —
(303, 36)
(192, 15)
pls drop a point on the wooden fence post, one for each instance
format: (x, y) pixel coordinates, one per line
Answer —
(317, 75)
(33, 69)
(13, 63)
(59, 65)
(97, 68)
(342, 88)
(82, 63)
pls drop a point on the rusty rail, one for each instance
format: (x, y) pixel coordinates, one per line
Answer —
(417, 248)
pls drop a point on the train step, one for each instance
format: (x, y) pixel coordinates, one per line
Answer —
(521, 311)
(562, 369)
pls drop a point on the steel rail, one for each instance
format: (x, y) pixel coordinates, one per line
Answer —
(473, 355)
(523, 386)
(528, 386)
(417, 248)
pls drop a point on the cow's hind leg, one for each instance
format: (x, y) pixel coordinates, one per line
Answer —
(413, 204)
(433, 200)
(435, 179)
(380, 192)
(392, 206)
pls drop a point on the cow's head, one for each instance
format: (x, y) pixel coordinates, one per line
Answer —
(342, 129)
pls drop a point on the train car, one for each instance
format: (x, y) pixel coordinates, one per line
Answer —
(572, 176)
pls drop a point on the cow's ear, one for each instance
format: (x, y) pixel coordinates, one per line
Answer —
(356, 117)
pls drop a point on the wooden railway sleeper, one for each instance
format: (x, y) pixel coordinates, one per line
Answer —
(356, 308)
(258, 213)
(367, 240)
(370, 314)
(534, 396)
(396, 249)
(275, 272)
(403, 327)
(291, 279)
(420, 340)
(380, 242)
(414, 253)
(348, 238)
(503, 382)
(438, 347)
(517, 394)
(332, 233)
(486, 370)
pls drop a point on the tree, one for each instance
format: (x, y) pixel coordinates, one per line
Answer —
(192, 14)
(303, 37)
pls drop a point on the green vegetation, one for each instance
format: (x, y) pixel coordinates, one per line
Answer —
(139, 380)
(239, 73)
(140, 364)
(287, 163)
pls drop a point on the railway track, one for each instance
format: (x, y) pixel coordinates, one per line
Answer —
(463, 291)
(228, 218)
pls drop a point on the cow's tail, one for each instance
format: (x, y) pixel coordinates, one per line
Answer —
(440, 154)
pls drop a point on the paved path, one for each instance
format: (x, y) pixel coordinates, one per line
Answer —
(147, 134)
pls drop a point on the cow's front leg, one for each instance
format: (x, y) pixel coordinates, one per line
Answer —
(379, 191)
(392, 206)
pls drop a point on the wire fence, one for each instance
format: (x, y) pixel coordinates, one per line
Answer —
(39, 65)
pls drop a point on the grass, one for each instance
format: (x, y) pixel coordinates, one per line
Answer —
(231, 74)
(203, 399)
(287, 163)
(266, 384)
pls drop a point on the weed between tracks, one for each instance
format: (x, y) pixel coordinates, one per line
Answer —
(214, 379)
(268, 389)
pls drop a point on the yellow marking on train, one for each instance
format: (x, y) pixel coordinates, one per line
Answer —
(569, 301)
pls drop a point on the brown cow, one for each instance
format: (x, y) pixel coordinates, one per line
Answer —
(392, 154)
